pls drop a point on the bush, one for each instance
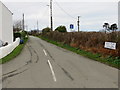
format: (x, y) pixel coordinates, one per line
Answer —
(34, 33)
(61, 29)
(23, 34)
(88, 41)
(45, 30)
(20, 35)
(16, 35)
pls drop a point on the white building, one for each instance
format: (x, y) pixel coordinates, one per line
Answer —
(119, 16)
(6, 25)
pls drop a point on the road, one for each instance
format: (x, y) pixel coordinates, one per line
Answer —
(43, 65)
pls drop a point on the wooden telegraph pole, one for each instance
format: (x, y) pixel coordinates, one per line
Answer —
(51, 17)
(37, 25)
(23, 22)
(78, 23)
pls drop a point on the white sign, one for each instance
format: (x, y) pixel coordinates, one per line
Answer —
(110, 45)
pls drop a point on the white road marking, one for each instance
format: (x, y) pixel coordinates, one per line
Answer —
(53, 74)
(44, 52)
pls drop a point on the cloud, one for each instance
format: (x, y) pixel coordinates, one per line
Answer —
(60, 0)
(93, 14)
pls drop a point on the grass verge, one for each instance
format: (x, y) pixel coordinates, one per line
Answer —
(111, 61)
(13, 54)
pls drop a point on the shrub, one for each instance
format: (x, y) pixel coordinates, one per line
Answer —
(88, 41)
(23, 34)
(61, 29)
(45, 30)
(16, 35)
(20, 35)
(34, 32)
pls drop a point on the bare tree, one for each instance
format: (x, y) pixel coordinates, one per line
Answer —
(17, 26)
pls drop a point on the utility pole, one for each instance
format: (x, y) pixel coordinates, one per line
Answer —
(23, 22)
(20, 24)
(51, 17)
(78, 22)
(37, 25)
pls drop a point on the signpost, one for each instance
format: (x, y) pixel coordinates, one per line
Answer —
(110, 45)
(71, 27)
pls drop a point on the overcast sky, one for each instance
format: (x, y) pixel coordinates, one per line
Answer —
(93, 14)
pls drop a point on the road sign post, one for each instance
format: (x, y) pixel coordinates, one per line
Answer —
(71, 27)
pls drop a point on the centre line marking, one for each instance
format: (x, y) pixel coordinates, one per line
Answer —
(44, 52)
(53, 74)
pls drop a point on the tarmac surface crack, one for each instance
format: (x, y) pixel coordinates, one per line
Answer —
(66, 73)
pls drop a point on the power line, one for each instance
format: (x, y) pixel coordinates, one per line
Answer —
(44, 13)
(64, 10)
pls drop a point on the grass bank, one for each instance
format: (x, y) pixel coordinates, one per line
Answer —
(13, 54)
(111, 61)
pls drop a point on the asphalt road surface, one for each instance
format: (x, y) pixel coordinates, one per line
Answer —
(43, 65)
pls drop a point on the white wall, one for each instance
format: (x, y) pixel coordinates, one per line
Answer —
(4, 51)
(119, 15)
(0, 21)
(0, 39)
(7, 25)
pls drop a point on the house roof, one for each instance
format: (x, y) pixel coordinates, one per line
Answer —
(6, 7)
